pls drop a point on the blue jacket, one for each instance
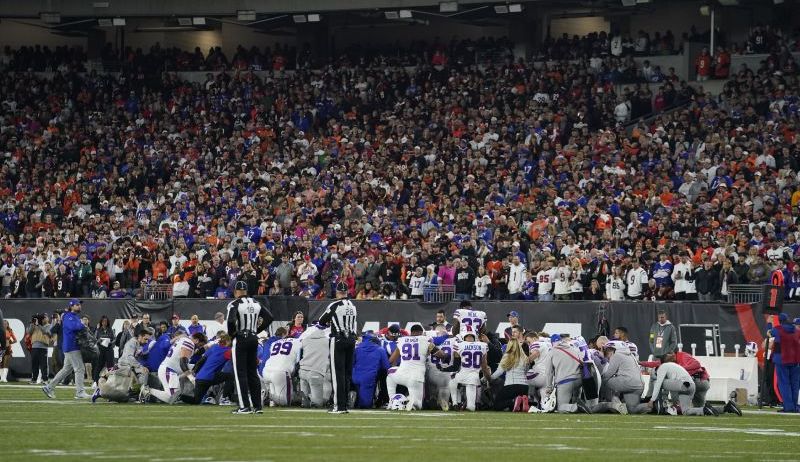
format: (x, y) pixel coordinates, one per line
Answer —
(157, 352)
(370, 358)
(72, 324)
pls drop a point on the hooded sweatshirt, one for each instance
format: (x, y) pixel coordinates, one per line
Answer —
(369, 359)
(563, 364)
(315, 342)
(623, 367)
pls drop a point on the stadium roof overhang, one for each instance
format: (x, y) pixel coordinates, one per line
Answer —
(229, 8)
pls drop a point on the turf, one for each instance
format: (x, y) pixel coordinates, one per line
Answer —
(67, 430)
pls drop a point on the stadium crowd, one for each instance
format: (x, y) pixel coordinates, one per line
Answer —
(507, 181)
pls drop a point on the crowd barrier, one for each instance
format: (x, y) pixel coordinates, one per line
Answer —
(738, 324)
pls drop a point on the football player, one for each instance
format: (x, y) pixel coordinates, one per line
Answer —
(470, 320)
(471, 356)
(564, 368)
(176, 365)
(284, 356)
(438, 369)
(539, 352)
(621, 376)
(413, 351)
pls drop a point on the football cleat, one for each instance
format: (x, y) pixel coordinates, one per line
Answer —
(672, 410)
(709, 410)
(621, 408)
(444, 404)
(242, 411)
(583, 408)
(83, 395)
(732, 408)
(95, 395)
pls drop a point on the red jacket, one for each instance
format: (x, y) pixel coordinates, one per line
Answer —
(685, 360)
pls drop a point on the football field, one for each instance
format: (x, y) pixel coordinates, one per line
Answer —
(35, 428)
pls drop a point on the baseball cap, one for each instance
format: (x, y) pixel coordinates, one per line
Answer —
(341, 287)
(240, 285)
(74, 301)
(394, 328)
(512, 313)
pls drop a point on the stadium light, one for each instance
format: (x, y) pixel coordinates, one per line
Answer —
(515, 8)
(448, 7)
(501, 9)
(50, 17)
(391, 14)
(246, 15)
(199, 21)
(104, 22)
(314, 17)
(184, 21)
(728, 2)
(628, 2)
(100, 4)
(118, 21)
(406, 14)
(299, 18)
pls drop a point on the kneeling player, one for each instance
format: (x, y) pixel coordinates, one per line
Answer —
(284, 355)
(175, 365)
(413, 351)
(209, 370)
(315, 382)
(439, 374)
(472, 356)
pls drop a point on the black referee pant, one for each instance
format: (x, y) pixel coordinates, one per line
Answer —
(245, 369)
(342, 351)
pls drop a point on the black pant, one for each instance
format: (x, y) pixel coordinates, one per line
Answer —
(245, 370)
(506, 396)
(104, 359)
(201, 387)
(39, 363)
(342, 350)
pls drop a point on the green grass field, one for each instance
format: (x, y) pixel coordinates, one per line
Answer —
(67, 430)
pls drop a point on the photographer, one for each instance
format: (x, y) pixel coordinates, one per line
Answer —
(39, 331)
(57, 360)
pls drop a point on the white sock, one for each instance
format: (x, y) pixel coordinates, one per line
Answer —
(3, 375)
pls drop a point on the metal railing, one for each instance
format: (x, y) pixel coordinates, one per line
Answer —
(154, 292)
(745, 293)
(438, 293)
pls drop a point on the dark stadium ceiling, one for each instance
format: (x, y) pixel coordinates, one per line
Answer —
(229, 8)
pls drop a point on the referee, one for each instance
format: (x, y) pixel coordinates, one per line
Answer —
(246, 318)
(342, 317)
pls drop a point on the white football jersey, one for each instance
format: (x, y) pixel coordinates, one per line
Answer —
(447, 348)
(472, 354)
(173, 358)
(471, 320)
(283, 355)
(413, 354)
(416, 284)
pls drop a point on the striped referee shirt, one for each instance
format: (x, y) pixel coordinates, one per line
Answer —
(342, 317)
(243, 314)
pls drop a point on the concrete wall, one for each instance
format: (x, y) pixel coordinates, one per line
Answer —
(578, 26)
(16, 34)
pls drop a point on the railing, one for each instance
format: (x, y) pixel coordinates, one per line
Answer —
(745, 293)
(154, 292)
(438, 293)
